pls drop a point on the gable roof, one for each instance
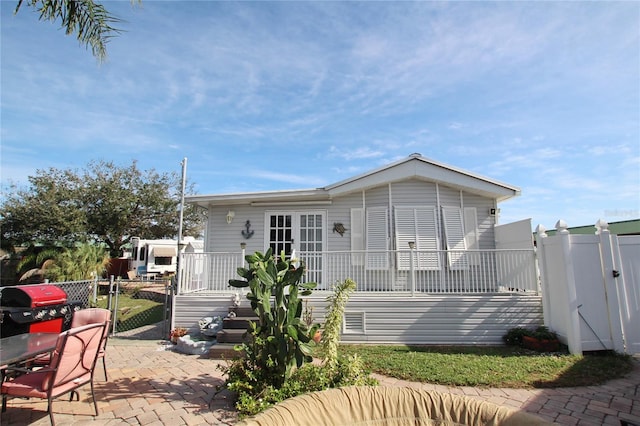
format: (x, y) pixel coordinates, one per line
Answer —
(414, 166)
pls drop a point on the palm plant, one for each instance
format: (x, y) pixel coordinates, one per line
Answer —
(80, 263)
(91, 22)
(35, 263)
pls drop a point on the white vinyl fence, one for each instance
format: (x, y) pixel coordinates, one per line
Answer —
(591, 288)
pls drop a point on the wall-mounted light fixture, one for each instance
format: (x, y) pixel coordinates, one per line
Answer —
(412, 245)
(230, 216)
(243, 246)
(492, 212)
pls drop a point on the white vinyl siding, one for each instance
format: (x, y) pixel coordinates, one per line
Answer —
(357, 236)
(377, 236)
(453, 221)
(417, 224)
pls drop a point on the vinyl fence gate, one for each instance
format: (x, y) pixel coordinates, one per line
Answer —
(591, 288)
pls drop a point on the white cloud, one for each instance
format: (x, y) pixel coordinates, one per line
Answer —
(354, 154)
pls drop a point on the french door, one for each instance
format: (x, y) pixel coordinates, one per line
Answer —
(304, 232)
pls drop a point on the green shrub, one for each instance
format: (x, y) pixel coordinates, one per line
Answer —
(514, 336)
(273, 368)
(254, 396)
(543, 333)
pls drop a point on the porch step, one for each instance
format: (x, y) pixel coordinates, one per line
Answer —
(233, 335)
(243, 311)
(238, 322)
(224, 351)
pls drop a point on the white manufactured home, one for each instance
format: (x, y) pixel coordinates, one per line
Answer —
(420, 238)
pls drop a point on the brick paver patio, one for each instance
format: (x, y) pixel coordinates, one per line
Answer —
(150, 385)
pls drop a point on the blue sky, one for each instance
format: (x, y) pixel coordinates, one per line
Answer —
(286, 95)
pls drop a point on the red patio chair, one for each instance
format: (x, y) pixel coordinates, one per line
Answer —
(94, 316)
(80, 318)
(72, 366)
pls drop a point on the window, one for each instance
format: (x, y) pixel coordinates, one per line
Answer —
(280, 234)
(162, 260)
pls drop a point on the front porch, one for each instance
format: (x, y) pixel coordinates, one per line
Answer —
(394, 271)
(403, 297)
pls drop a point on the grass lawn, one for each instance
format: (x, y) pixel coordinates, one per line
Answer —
(494, 366)
(134, 312)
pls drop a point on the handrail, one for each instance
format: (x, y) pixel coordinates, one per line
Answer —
(396, 271)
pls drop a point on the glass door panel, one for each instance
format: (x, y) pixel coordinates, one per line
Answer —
(280, 233)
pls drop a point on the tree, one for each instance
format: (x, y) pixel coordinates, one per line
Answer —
(103, 203)
(91, 22)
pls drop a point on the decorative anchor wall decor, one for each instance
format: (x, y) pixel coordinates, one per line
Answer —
(248, 233)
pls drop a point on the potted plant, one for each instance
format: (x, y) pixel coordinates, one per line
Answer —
(542, 340)
(176, 333)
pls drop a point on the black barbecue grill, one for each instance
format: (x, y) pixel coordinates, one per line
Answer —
(34, 308)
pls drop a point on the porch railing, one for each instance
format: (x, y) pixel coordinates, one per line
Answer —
(407, 271)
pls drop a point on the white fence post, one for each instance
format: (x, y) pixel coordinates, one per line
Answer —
(541, 235)
(610, 272)
(574, 340)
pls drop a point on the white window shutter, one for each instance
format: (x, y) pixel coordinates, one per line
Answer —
(377, 239)
(453, 221)
(357, 236)
(427, 241)
(417, 224)
(405, 227)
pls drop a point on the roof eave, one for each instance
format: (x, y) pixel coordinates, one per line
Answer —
(418, 167)
(301, 195)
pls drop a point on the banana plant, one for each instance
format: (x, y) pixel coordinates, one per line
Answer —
(280, 339)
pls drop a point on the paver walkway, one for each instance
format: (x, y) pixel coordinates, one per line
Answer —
(149, 385)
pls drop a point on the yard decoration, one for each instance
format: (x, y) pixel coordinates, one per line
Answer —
(280, 340)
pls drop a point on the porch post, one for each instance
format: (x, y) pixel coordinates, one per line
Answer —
(412, 247)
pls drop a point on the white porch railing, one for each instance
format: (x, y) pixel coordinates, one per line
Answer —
(413, 271)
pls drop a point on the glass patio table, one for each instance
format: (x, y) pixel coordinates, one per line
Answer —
(23, 347)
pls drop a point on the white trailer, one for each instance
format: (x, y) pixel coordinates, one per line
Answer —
(153, 257)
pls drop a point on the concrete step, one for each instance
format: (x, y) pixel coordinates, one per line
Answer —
(230, 335)
(238, 322)
(224, 351)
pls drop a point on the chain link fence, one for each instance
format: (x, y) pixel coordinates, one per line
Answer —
(139, 309)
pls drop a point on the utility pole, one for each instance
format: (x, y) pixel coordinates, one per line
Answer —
(180, 245)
